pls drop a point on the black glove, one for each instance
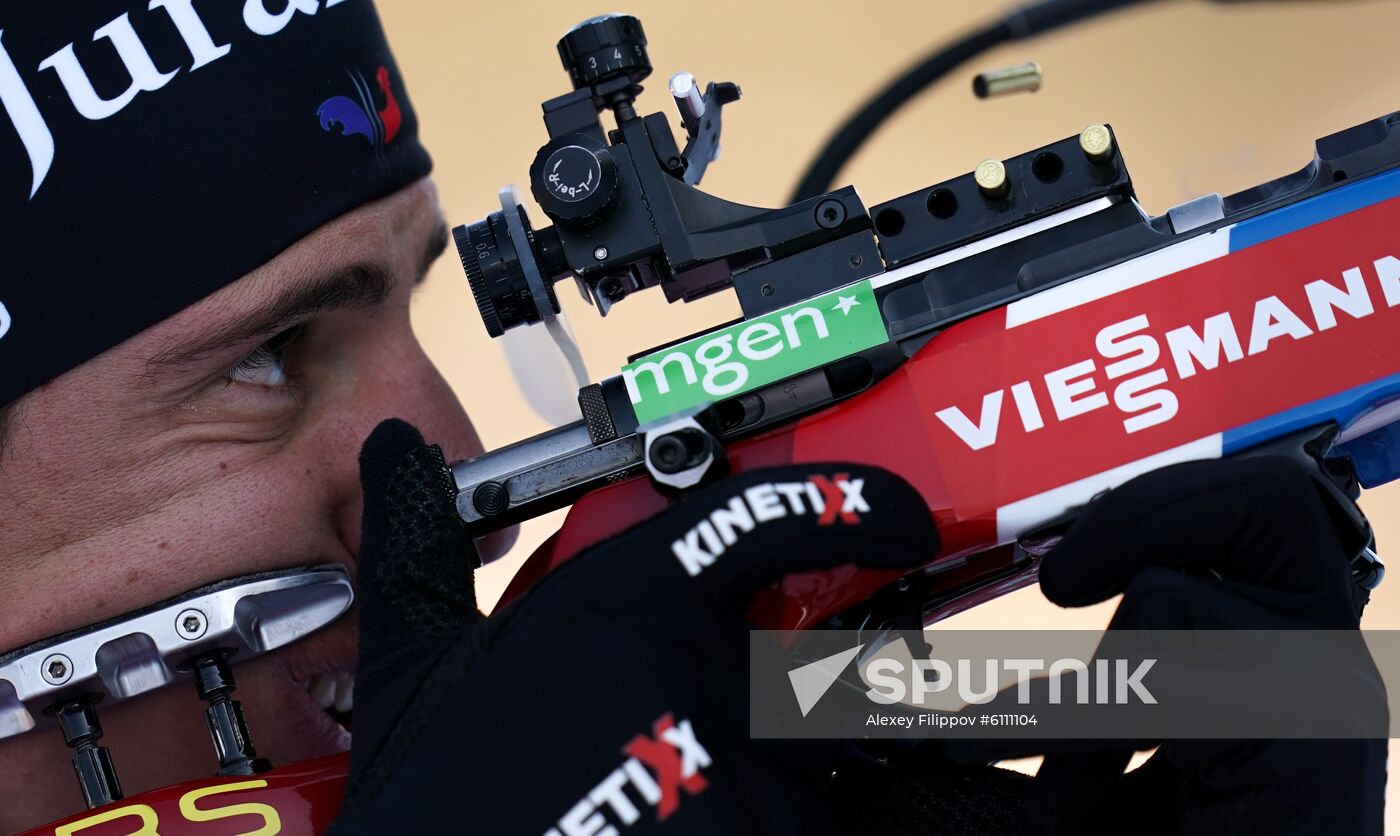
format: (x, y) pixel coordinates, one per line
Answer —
(1255, 544)
(615, 694)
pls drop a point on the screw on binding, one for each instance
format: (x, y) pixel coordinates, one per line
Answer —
(213, 681)
(97, 777)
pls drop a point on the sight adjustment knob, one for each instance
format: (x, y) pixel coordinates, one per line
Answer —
(574, 178)
(604, 48)
(499, 279)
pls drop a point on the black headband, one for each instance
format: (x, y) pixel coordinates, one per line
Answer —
(150, 156)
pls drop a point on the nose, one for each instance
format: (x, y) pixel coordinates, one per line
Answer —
(405, 384)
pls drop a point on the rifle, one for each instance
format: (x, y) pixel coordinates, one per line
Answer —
(1013, 341)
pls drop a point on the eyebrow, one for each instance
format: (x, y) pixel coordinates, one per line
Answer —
(360, 285)
(431, 253)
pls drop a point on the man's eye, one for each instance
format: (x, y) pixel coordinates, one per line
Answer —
(266, 364)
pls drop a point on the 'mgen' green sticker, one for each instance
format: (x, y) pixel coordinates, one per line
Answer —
(755, 353)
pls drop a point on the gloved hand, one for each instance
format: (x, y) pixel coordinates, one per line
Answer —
(614, 696)
(1254, 544)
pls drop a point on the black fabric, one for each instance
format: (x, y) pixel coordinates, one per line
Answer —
(922, 794)
(1246, 544)
(186, 187)
(510, 723)
(401, 639)
(524, 714)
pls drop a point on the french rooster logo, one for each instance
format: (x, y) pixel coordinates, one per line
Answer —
(359, 116)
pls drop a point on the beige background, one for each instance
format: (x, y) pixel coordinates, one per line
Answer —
(1203, 97)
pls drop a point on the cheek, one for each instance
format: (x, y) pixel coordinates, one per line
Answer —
(271, 514)
(263, 515)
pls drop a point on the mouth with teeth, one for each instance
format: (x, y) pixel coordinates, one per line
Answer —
(335, 694)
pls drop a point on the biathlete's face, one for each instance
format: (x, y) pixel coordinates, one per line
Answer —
(220, 442)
